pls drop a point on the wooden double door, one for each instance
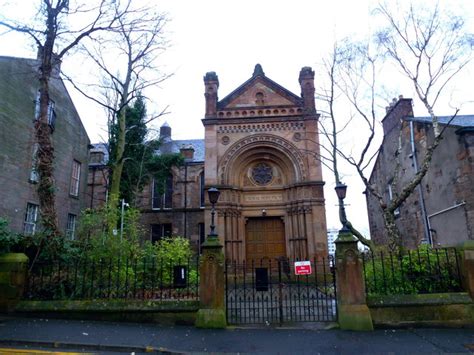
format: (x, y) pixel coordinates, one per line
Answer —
(265, 238)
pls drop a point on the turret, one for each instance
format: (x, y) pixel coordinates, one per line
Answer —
(211, 84)
(165, 132)
(306, 80)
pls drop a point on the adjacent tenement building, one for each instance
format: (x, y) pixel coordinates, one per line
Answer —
(19, 106)
(441, 210)
(259, 150)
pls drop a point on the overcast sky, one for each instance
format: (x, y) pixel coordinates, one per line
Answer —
(230, 37)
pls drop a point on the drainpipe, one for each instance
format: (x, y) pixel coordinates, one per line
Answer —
(93, 185)
(426, 222)
(185, 200)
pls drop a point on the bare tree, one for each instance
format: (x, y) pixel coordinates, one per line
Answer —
(127, 62)
(430, 48)
(55, 34)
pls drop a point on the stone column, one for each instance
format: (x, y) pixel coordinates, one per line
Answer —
(211, 286)
(13, 270)
(353, 312)
(466, 252)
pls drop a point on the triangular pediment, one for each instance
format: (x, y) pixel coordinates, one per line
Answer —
(259, 91)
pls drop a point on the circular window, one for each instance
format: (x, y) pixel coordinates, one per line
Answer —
(262, 173)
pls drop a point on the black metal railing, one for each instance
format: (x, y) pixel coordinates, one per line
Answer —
(121, 277)
(423, 270)
(269, 291)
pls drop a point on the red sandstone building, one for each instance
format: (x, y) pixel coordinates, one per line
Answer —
(255, 151)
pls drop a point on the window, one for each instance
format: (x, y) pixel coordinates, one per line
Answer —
(31, 217)
(75, 178)
(159, 231)
(164, 200)
(34, 175)
(202, 236)
(396, 213)
(51, 111)
(201, 189)
(71, 226)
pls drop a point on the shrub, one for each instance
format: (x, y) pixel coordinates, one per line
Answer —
(424, 270)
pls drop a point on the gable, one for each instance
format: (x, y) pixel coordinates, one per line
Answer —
(259, 94)
(259, 91)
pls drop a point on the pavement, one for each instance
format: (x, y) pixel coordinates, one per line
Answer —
(112, 337)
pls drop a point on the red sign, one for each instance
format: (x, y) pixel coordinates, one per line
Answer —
(302, 268)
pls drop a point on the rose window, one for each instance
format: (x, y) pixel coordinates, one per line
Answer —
(262, 173)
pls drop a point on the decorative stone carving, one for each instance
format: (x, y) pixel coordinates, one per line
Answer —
(262, 127)
(225, 140)
(269, 140)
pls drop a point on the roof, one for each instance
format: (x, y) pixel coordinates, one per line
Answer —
(174, 146)
(458, 121)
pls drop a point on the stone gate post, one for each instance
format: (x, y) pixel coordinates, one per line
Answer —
(211, 286)
(466, 253)
(13, 270)
(353, 312)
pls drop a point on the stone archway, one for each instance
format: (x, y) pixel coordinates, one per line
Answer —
(261, 175)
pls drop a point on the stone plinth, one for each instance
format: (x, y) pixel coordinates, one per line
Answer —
(352, 306)
(466, 252)
(13, 269)
(211, 286)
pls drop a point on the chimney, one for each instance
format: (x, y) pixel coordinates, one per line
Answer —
(306, 80)
(187, 151)
(97, 157)
(395, 112)
(211, 84)
(165, 132)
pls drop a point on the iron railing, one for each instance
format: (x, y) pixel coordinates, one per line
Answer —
(423, 270)
(268, 291)
(121, 277)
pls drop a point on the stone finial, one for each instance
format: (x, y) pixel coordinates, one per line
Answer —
(211, 76)
(258, 70)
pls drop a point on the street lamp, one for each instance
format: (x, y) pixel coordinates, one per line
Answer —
(213, 197)
(124, 204)
(341, 190)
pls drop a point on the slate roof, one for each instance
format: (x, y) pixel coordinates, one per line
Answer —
(173, 146)
(458, 121)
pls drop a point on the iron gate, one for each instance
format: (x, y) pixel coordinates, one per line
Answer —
(268, 291)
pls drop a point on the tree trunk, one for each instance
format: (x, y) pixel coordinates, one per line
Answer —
(117, 171)
(45, 160)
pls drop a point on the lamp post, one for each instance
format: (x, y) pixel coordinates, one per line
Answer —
(213, 197)
(124, 204)
(341, 190)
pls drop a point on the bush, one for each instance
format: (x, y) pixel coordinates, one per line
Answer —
(8, 239)
(103, 265)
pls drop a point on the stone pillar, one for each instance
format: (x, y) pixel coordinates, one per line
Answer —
(13, 270)
(353, 312)
(306, 80)
(466, 253)
(211, 84)
(211, 286)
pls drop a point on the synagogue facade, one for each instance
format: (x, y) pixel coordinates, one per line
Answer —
(260, 150)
